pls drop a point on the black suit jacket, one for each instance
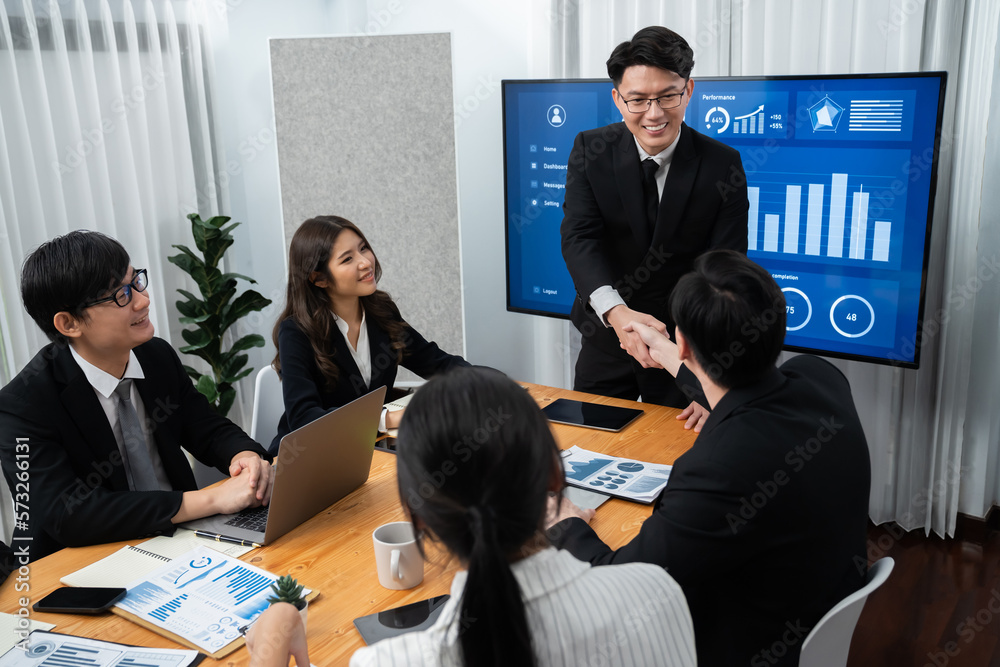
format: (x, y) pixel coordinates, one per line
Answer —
(606, 238)
(62, 463)
(306, 392)
(763, 522)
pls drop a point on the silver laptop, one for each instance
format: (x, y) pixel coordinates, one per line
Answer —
(317, 465)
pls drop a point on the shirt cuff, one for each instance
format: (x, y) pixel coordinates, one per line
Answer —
(603, 299)
(381, 421)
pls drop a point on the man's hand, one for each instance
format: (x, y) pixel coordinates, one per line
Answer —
(233, 495)
(248, 486)
(661, 349)
(620, 316)
(275, 636)
(694, 416)
(259, 472)
(560, 508)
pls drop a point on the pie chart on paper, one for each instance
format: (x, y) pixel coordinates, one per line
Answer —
(630, 467)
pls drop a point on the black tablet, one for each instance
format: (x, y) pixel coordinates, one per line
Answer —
(590, 415)
(408, 618)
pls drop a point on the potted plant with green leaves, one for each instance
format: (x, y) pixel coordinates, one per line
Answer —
(288, 589)
(215, 311)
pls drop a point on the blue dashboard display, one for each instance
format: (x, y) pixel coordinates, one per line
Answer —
(841, 172)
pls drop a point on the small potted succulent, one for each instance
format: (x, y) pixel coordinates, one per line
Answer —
(288, 589)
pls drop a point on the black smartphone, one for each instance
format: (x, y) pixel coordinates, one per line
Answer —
(416, 616)
(80, 600)
(387, 444)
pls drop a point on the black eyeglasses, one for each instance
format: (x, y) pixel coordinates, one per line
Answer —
(123, 295)
(665, 102)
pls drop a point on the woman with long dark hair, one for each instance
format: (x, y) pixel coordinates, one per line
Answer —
(339, 336)
(519, 601)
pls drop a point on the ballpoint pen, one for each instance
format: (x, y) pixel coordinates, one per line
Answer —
(226, 538)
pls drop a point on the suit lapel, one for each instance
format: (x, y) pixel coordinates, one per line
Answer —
(677, 188)
(382, 357)
(80, 402)
(628, 176)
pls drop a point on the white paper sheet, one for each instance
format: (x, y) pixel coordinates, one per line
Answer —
(613, 475)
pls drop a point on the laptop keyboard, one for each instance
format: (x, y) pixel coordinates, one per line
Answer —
(251, 519)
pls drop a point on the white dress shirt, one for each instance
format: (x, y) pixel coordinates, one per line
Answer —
(606, 297)
(104, 385)
(632, 615)
(362, 356)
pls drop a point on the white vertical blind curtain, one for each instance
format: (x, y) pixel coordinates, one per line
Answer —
(104, 125)
(933, 434)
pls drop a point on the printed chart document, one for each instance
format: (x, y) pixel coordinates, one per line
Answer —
(49, 649)
(14, 629)
(132, 562)
(201, 599)
(623, 478)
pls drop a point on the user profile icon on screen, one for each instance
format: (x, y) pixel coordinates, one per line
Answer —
(556, 115)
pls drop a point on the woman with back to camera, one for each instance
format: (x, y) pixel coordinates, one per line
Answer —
(519, 601)
(340, 336)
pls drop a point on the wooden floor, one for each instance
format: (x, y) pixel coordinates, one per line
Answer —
(940, 606)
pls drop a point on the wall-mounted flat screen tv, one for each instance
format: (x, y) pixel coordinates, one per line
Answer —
(841, 172)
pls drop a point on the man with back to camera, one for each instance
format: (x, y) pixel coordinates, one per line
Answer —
(644, 198)
(91, 429)
(763, 521)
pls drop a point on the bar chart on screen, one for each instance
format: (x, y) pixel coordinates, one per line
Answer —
(805, 206)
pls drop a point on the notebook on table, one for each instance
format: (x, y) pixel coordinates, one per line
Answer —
(317, 465)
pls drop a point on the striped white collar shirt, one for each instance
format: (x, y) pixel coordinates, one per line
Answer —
(633, 615)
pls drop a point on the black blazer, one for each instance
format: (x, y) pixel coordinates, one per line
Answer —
(305, 390)
(763, 522)
(62, 463)
(606, 239)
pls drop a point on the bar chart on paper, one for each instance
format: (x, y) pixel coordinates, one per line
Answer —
(827, 210)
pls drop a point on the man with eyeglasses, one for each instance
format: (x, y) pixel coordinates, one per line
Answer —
(92, 429)
(644, 198)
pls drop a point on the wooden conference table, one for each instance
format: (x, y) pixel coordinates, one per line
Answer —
(333, 551)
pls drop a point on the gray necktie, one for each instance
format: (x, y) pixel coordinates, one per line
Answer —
(138, 466)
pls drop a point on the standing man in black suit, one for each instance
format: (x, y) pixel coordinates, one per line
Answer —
(643, 199)
(91, 430)
(763, 522)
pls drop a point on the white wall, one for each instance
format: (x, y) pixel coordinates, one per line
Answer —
(491, 41)
(246, 118)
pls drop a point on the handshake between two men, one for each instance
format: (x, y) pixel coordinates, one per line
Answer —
(646, 340)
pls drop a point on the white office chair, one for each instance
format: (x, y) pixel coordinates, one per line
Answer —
(830, 640)
(268, 406)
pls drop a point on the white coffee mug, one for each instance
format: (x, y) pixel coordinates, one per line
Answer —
(397, 558)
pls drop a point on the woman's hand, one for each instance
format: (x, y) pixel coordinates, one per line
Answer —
(393, 417)
(276, 636)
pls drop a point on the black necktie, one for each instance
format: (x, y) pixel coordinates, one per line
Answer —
(649, 190)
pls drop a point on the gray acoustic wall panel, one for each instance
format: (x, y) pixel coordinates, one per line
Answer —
(365, 130)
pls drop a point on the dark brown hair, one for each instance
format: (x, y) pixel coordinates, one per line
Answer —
(728, 298)
(492, 509)
(654, 46)
(66, 272)
(309, 306)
